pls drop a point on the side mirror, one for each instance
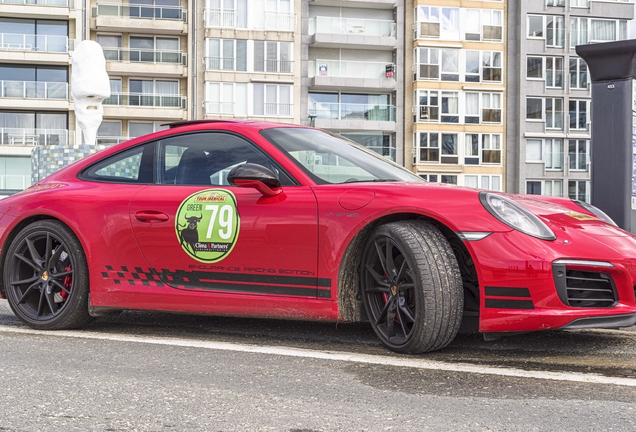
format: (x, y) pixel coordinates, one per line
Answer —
(256, 176)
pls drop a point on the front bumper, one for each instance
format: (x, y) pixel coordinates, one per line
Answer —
(518, 282)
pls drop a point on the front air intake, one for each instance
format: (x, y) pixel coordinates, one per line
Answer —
(584, 288)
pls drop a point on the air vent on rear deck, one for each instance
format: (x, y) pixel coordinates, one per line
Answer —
(584, 289)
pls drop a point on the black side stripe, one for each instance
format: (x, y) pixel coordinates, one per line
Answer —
(260, 289)
(506, 292)
(180, 275)
(509, 304)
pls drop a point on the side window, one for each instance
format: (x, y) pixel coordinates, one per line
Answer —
(131, 166)
(204, 159)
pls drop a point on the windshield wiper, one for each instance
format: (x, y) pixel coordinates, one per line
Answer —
(353, 180)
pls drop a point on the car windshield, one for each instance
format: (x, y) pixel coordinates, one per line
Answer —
(332, 159)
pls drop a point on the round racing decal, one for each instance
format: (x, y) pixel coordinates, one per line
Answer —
(207, 225)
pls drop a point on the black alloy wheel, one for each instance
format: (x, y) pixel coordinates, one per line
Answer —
(411, 287)
(46, 277)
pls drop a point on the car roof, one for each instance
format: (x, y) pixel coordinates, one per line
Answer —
(251, 123)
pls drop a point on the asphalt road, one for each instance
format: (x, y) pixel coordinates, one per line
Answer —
(160, 372)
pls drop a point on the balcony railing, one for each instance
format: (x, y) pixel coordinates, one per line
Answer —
(350, 111)
(33, 137)
(39, 43)
(56, 3)
(351, 69)
(110, 140)
(229, 64)
(220, 108)
(33, 90)
(229, 18)
(365, 27)
(146, 100)
(140, 11)
(145, 56)
(271, 109)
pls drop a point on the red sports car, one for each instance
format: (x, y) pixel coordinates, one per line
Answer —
(271, 220)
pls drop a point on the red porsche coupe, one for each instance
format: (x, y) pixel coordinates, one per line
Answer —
(270, 220)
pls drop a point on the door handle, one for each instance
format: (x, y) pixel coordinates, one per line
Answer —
(151, 216)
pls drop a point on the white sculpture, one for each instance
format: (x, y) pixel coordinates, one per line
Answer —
(89, 87)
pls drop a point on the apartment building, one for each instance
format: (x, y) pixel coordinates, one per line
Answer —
(352, 71)
(36, 37)
(549, 92)
(145, 45)
(456, 88)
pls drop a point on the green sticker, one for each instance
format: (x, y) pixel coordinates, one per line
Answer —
(207, 225)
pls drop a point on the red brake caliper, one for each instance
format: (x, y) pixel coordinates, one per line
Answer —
(68, 283)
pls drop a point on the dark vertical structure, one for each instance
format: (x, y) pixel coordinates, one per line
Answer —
(613, 70)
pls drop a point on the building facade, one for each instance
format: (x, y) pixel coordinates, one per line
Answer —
(487, 94)
(456, 88)
(550, 93)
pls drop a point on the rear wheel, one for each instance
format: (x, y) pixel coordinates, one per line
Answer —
(411, 287)
(46, 277)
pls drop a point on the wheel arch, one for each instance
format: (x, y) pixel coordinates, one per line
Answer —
(15, 230)
(350, 306)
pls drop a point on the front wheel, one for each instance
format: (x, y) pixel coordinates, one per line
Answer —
(46, 277)
(411, 287)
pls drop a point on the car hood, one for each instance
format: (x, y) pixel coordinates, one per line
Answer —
(569, 216)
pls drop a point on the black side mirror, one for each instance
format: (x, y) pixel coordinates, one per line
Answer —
(256, 176)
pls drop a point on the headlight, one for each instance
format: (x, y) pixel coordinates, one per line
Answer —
(515, 216)
(596, 211)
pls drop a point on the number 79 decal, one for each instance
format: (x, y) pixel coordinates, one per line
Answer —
(207, 225)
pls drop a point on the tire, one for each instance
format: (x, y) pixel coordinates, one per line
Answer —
(46, 277)
(413, 295)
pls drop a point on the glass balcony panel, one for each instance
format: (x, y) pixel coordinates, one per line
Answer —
(367, 27)
(146, 100)
(347, 111)
(33, 137)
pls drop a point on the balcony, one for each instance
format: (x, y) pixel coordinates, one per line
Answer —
(145, 106)
(156, 63)
(141, 18)
(39, 43)
(352, 74)
(353, 32)
(229, 64)
(34, 137)
(49, 95)
(42, 8)
(228, 18)
(350, 116)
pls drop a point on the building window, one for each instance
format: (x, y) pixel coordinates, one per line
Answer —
(483, 25)
(137, 129)
(491, 65)
(226, 54)
(375, 141)
(272, 100)
(428, 21)
(438, 147)
(487, 182)
(555, 3)
(440, 178)
(491, 107)
(450, 107)
(226, 99)
(450, 65)
(157, 93)
(580, 3)
(579, 190)
(151, 49)
(109, 132)
(548, 27)
(111, 46)
(33, 128)
(270, 56)
(34, 35)
(548, 151)
(428, 61)
(428, 108)
(586, 30)
(482, 149)
(33, 82)
(578, 74)
(549, 110)
(549, 69)
(545, 187)
(579, 114)
(578, 155)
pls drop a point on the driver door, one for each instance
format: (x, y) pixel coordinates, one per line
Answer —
(199, 233)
